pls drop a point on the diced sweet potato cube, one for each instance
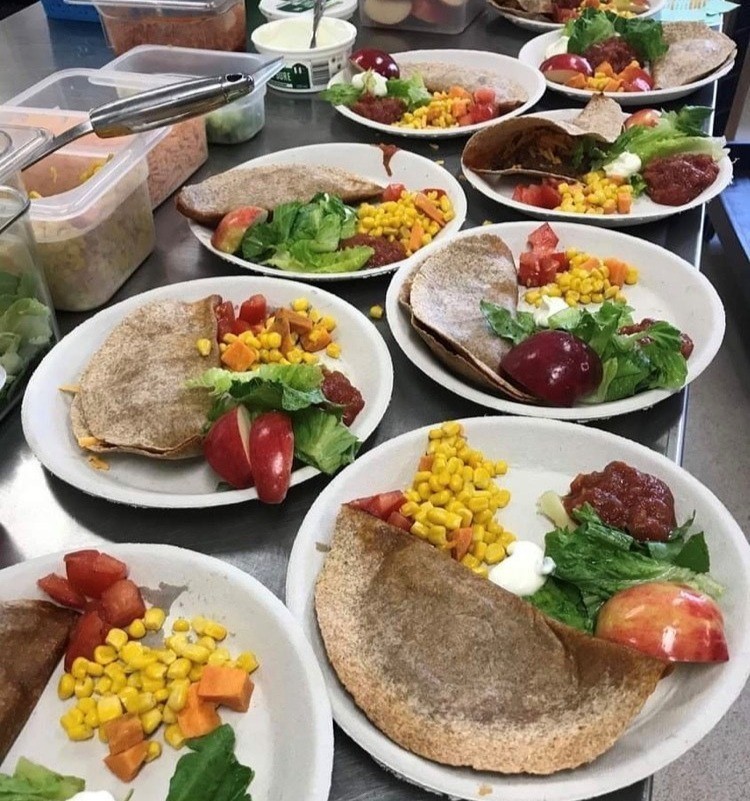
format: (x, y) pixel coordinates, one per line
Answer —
(198, 717)
(238, 356)
(123, 733)
(126, 764)
(227, 686)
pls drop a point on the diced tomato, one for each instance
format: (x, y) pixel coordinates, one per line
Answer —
(240, 326)
(89, 631)
(553, 263)
(637, 85)
(484, 95)
(549, 197)
(254, 310)
(91, 572)
(398, 520)
(58, 588)
(543, 239)
(539, 269)
(382, 505)
(225, 318)
(466, 119)
(122, 603)
(481, 112)
(392, 192)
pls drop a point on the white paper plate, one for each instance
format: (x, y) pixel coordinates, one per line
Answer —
(533, 53)
(186, 483)
(415, 172)
(643, 210)
(529, 78)
(668, 288)
(545, 454)
(541, 26)
(288, 685)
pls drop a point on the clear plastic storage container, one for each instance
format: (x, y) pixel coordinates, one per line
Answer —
(27, 320)
(434, 16)
(207, 24)
(90, 210)
(174, 152)
(237, 122)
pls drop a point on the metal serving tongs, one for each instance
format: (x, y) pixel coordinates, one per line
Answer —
(155, 108)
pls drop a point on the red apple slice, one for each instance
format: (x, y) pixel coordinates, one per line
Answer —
(665, 620)
(229, 233)
(227, 448)
(564, 66)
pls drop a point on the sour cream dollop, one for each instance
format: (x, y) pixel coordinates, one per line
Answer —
(557, 47)
(625, 165)
(372, 82)
(93, 795)
(548, 307)
(524, 570)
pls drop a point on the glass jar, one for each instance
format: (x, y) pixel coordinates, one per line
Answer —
(27, 321)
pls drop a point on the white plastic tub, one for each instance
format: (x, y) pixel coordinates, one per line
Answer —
(285, 9)
(305, 70)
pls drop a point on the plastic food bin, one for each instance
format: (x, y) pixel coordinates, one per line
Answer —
(59, 9)
(435, 16)
(27, 321)
(208, 24)
(90, 210)
(174, 152)
(237, 122)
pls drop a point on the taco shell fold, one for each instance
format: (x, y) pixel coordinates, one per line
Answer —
(132, 394)
(268, 187)
(439, 76)
(695, 50)
(534, 145)
(455, 669)
(442, 298)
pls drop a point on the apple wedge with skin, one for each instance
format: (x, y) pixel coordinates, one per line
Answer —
(668, 621)
(227, 448)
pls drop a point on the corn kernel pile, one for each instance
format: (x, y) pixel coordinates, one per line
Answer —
(127, 676)
(443, 111)
(277, 345)
(589, 280)
(413, 220)
(614, 6)
(453, 490)
(596, 194)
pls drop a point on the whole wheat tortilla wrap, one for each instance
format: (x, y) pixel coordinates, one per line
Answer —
(534, 145)
(695, 50)
(458, 670)
(440, 76)
(442, 298)
(132, 394)
(268, 187)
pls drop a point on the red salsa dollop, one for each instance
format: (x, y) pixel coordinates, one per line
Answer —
(385, 252)
(625, 498)
(676, 180)
(338, 389)
(380, 109)
(615, 50)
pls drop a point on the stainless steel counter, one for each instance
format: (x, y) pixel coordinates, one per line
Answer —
(40, 514)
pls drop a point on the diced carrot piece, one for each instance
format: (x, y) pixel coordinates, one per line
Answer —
(415, 237)
(459, 108)
(197, 717)
(577, 81)
(226, 686)
(590, 264)
(624, 203)
(605, 68)
(423, 203)
(126, 764)
(460, 543)
(618, 270)
(123, 733)
(238, 356)
(297, 322)
(317, 339)
(613, 85)
(459, 92)
(425, 462)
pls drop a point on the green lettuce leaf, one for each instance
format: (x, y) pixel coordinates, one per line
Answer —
(588, 28)
(563, 602)
(32, 782)
(645, 36)
(300, 257)
(515, 327)
(322, 440)
(341, 94)
(412, 91)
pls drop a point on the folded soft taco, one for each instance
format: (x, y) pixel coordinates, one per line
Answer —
(694, 50)
(440, 76)
(132, 394)
(535, 145)
(443, 297)
(268, 187)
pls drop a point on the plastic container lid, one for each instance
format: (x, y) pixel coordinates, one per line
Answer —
(194, 6)
(282, 9)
